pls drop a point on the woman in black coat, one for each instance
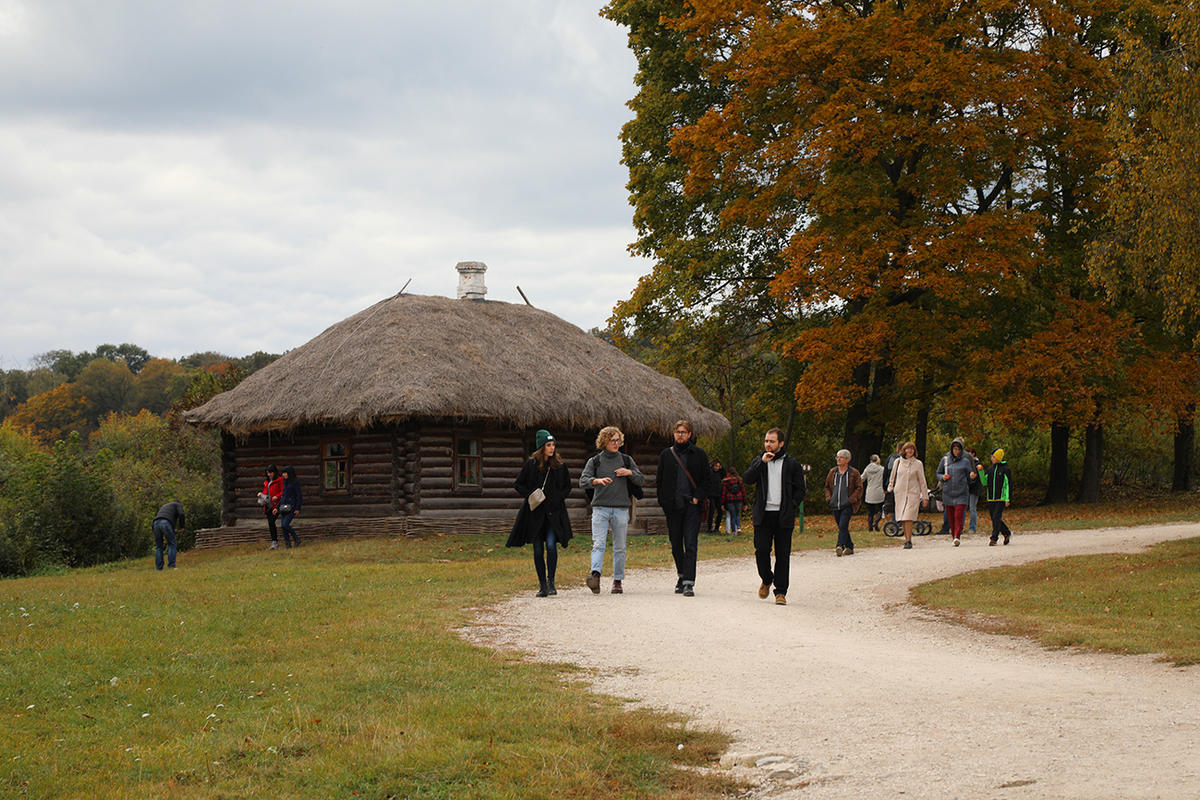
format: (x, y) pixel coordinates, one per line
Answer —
(547, 527)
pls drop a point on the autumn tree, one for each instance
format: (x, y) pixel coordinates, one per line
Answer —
(867, 153)
(1151, 226)
(52, 415)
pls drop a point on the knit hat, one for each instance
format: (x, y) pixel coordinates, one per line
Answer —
(998, 453)
(541, 437)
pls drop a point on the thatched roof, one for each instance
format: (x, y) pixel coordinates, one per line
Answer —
(414, 356)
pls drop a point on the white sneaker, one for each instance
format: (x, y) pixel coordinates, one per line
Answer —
(275, 545)
(956, 542)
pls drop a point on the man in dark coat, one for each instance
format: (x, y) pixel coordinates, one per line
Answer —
(781, 489)
(684, 479)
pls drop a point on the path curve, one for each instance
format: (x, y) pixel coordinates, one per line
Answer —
(858, 694)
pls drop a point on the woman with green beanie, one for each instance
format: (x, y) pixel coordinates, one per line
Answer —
(543, 521)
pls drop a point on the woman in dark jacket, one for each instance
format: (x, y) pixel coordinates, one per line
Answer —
(289, 506)
(547, 527)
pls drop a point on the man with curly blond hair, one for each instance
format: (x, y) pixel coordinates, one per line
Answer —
(612, 477)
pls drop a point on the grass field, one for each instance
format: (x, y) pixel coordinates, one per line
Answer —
(1122, 603)
(334, 671)
(328, 671)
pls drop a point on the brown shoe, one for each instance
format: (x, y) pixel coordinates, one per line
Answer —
(616, 588)
(780, 600)
(593, 582)
(763, 591)
(849, 551)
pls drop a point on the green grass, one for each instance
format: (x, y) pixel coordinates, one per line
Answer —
(334, 671)
(331, 671)
(1122, 603)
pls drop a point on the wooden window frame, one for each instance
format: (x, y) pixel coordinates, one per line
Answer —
(345, 442)
(455, 456)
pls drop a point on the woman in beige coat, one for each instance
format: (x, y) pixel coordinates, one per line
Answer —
(911, 490)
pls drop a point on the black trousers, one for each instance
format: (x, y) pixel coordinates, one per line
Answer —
(271, 525)
(683, 528)
(999, 528)
(716, 512)
(767, 535)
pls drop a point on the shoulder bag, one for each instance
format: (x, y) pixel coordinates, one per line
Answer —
(538, 496)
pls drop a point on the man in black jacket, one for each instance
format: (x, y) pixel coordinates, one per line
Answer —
(781, 489)
(684, 479)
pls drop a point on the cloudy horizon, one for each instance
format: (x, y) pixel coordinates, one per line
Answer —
(192, 177)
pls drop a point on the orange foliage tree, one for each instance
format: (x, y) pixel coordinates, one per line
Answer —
(881, 144)
(52, 415)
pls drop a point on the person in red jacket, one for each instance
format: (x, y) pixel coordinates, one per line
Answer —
(269, 499)
(733, 497)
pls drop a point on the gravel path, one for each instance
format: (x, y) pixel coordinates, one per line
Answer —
(849, 692)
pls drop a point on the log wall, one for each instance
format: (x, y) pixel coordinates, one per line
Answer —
(408, 471)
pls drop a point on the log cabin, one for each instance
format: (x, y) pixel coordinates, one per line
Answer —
(417, 413)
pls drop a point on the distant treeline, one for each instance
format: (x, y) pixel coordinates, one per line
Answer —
(66, 391)
(90, 447)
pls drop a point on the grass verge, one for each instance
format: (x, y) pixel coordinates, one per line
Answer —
(1145, 602)
(328, 671)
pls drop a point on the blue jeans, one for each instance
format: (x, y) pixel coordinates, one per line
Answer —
(285, 522)
(734, 515)
(604, 517)
(842, 517)
(164, 530)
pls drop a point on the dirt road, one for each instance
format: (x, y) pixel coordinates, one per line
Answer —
(848, 692)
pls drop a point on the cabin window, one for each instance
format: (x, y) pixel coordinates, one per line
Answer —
(467, 464)
(335, 465)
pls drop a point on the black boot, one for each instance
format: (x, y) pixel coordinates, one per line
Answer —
(550, 587)
(542, 590)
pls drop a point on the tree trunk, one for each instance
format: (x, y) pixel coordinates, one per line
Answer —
(864, 433)
(1057, 487)
(1184, 479)
(921, 437)
(1093, 463)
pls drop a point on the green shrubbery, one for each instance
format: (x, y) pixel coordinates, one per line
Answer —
(74, 506)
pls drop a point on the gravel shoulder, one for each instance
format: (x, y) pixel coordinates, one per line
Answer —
(850, 692)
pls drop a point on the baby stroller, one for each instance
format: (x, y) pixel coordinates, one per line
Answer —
(922, 527)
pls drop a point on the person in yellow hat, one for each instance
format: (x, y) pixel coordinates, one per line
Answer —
(997, 484)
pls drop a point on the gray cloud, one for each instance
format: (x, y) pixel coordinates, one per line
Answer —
(216, 177)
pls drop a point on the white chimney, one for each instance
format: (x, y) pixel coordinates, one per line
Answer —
(470, 280)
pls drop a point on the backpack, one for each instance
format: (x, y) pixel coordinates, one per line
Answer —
(635, 491)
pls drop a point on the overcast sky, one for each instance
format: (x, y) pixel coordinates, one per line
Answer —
(231, 176)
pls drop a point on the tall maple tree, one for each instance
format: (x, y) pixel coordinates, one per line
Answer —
(873, 147)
